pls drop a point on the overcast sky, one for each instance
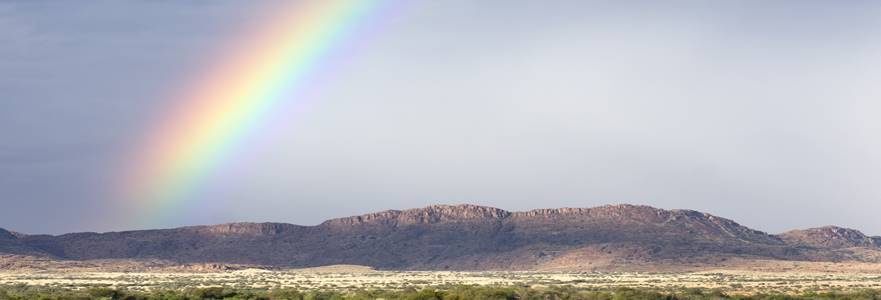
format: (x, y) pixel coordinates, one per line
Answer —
(765, 112)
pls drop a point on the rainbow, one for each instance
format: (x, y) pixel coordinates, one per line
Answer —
(215, 112)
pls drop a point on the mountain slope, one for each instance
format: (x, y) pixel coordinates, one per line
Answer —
(464, 236)
(12, 243)
(830, 237)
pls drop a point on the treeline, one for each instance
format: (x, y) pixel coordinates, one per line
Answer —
(451, 293)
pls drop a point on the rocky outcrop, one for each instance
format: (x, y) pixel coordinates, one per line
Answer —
(246, 229)
(830, 237)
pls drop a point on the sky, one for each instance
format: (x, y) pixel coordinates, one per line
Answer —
(764, 112)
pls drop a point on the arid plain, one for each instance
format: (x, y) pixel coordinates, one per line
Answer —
(350, 278)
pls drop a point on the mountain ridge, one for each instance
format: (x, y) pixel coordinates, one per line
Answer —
(465, 237)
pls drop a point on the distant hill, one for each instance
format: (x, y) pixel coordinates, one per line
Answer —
(830, 237)
(467, 237)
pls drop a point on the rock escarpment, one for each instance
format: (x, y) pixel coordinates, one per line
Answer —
(464, 237)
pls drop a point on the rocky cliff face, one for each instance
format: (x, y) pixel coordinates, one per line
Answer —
(464, 236)
(428, 215)
(245, 229)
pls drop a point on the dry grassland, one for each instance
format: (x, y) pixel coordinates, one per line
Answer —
(344, 278)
